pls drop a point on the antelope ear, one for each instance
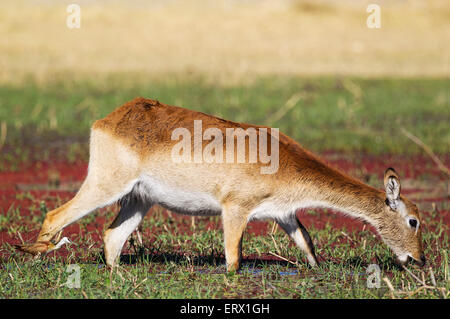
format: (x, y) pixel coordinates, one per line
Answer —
(392, 186)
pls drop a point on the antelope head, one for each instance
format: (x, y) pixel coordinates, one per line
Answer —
(400, 225)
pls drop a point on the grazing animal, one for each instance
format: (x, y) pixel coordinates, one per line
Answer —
(132, 162)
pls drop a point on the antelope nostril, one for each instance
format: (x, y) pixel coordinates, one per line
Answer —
(423, 259)
(413, 223)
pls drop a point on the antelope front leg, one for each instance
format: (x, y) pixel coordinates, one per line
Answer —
(234, 223)
(306, 239)
(299, 234)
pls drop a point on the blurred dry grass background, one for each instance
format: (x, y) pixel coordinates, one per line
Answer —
(224, 40)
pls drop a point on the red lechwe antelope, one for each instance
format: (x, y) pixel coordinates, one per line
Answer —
(132, 163)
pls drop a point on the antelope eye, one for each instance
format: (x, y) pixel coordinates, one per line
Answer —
(413, 223)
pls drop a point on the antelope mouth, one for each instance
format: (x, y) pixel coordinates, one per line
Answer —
(422, 261)
(405, 261)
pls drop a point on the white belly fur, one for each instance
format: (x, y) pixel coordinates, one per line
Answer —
(175, 199)
(188, 202)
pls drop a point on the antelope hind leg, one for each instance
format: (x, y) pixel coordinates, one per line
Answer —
(128, 219)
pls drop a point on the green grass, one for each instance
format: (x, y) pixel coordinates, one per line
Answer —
(343, 114)
(180, 264)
